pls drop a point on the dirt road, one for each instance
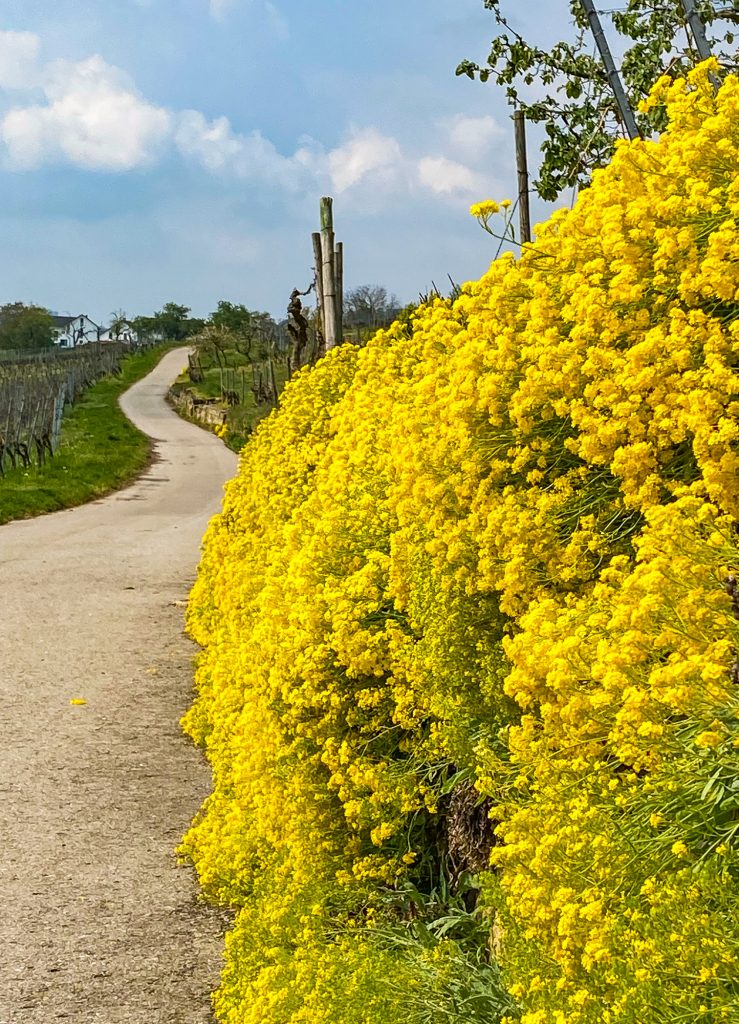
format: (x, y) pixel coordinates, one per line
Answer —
(97, 921)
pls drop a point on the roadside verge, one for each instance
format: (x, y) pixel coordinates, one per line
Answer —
(100, 450)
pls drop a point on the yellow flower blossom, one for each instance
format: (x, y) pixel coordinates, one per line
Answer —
(498, 543)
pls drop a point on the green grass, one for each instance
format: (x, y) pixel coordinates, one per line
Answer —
(243, 418)
(99, 451)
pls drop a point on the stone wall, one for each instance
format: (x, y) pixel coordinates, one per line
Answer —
(208, 411)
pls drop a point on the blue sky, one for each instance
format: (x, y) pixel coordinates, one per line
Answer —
(157, 150)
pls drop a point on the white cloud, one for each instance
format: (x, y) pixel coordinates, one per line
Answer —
(367, 153)
(447, 177)
(92, 117)
(250, 157)
(18, 60)
(473, 137)
(371, 157)
(211, 143)
(220, 8)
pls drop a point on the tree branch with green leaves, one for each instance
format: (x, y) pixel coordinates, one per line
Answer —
(579, 111)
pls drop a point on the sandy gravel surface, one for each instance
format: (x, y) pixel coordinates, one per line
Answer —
(98, 923)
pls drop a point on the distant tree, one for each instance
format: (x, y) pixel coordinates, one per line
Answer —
(232, 317)
(369, 305)
(214, 342)
(269, 336)
(26, 327)
(254, 334)
(144, 326)
(173, 323)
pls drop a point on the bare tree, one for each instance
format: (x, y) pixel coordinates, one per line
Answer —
(370, 305)
(118, 321)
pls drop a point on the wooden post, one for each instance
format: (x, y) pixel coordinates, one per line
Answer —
(273, 379)
(329, 272)
(339, 273)
(318, 258)
(627, 114)
(524, 212)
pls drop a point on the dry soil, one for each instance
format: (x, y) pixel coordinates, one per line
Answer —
(98, 922)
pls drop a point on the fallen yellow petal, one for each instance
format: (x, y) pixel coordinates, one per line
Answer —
(78, 700)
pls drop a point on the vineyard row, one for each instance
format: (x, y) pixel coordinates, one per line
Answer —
(35, 388)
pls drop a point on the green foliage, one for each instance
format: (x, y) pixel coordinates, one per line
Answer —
(445, 949)
(25, 327)
(144, 326)
(234, 317)
(233, 326)
(579, 113)
(171, 323)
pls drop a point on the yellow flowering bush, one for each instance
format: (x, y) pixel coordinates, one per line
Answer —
(470, 621)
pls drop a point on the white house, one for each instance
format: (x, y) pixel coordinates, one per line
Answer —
(70, 331)
(119, 331)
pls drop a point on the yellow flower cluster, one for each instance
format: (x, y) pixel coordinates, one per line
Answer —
(498, 545)
(611, 858)
(488, 208)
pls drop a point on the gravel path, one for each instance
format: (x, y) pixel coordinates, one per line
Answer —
(98, 922)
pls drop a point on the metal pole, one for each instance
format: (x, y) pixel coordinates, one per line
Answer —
(697, 28)
(627, 114)
(524, 213)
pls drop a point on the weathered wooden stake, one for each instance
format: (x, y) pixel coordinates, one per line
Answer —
(273, 378)
(318, 259)
(627, 114)
(524, 212)
(339, 274)
(329, 273)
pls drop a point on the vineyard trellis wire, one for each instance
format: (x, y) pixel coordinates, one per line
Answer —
(35, 387)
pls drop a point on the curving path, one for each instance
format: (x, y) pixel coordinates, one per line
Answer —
(98, 923)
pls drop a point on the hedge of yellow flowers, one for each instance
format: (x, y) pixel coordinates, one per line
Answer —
(496, 552)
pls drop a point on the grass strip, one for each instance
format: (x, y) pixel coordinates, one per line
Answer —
(99, 450)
